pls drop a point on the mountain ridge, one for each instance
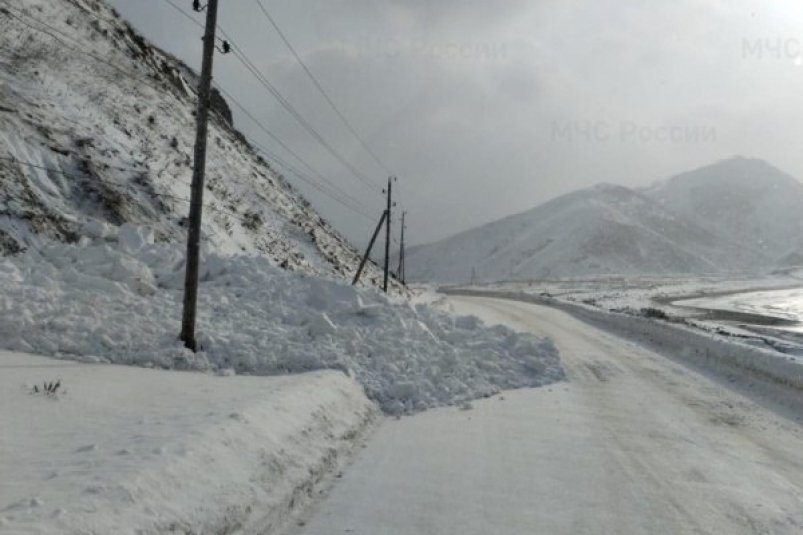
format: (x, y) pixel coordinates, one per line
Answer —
(609, 229)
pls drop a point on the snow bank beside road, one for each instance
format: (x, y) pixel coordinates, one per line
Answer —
(118, 299)
(125, 450)
(780, 374)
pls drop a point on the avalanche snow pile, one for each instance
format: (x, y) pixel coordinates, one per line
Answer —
(117, 298)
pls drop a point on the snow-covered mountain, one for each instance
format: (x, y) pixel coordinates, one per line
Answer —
(746, 200)
(86, 143)
(736, 215)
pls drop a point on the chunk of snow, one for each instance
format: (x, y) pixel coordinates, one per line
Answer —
(123, 304)
(133, 238)
(97, 230)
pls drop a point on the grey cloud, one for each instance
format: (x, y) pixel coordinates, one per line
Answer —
(465, 100)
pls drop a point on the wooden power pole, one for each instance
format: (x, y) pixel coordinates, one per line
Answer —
(199, 165)
(387, 234)
(370, 246)
(400, 270)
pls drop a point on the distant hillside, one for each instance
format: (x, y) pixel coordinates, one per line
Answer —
(746, 200)
(86, 142)
(735, 215)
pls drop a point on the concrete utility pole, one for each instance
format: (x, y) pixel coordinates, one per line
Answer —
(387, 234)
(199, 165)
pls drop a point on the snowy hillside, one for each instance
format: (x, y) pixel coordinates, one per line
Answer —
(747, 200)
(86, 141)
(736, 215)
(98, 155)
(601, 230)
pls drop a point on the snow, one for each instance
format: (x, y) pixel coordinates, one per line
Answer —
(735, 216)
(786, 304)
(775, 375)
(632, 443)
(118, 299)
(110, 156)
(745, 200)
(132, 451)
(757, 311)
(599, 230)
(636, 292)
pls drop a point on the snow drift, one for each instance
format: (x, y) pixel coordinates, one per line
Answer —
(122, 450)
(117, 298)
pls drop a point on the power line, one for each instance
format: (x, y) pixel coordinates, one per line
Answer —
(262, 127)
(194, 21)
(334, 190)
(280, 98)
(186, 15)
(237, 217)
(83, 176)
(78, 48)
(273, 157)
(299, 118)
(72, 44)
(117, 183)
(159, 88)
(355, 209)
(320, 87)
(122, 184)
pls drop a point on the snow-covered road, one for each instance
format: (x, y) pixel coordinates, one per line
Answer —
(632, 443)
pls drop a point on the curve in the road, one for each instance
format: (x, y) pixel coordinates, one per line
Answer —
(632, 443)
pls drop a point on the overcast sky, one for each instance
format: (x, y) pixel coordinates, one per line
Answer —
(487, 108)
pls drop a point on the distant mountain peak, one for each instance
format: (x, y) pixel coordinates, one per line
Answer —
(737, 214)
(744, 163)
(609, 187)
(753, 173)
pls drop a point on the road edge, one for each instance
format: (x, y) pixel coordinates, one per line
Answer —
(750, 370)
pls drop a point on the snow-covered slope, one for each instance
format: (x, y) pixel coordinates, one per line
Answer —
(746, 200)
(84, 141)
(604, 229)
(735, 215)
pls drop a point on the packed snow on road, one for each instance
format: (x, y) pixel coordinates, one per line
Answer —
(611, 387)
(763, 312)
(632, 443)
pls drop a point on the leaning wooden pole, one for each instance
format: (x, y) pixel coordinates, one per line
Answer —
(370, 246)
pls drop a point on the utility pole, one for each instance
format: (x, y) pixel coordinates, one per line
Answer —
(400, 270)
(387, 234)
(370, 246)
(199, 165)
